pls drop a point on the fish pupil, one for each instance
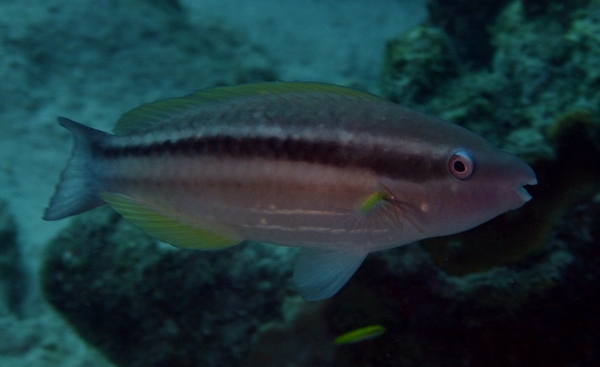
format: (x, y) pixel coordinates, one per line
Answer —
(459, 166)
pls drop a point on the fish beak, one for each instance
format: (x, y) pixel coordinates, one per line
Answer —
(528, 179)
(525, 197)
(521, 175)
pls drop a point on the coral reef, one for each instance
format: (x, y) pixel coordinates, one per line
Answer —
(301, 338)
(144, 303)
(31, 334)
(148, 304)
(466, 23)
(536, 312)
(542, 67)
(417, 63)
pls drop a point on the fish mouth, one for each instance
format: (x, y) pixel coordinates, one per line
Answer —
(523, 176)
(523, 194)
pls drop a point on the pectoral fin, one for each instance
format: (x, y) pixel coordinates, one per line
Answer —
(320, 274)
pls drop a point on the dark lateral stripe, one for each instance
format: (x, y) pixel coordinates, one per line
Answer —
(411, 167)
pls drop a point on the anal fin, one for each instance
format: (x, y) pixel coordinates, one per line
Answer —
(165, 228)
(320, 274)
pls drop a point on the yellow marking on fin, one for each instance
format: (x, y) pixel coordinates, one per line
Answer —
(360, 334)
(154, 114)
(380, 214)
(372, 200)
(164, 228)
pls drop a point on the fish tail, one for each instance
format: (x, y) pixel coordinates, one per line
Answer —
(78, 188)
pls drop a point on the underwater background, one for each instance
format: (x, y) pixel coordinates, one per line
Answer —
(521, 290)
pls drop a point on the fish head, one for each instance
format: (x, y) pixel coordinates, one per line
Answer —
(478, 182)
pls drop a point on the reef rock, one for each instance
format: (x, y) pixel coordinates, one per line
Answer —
(145, 303)
(540, 311)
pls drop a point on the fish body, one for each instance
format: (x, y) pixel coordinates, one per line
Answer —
(335, 171)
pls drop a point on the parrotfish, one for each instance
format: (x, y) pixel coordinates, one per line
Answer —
(335, 171)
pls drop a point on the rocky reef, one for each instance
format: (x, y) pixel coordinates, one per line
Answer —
(143, 303)
(536, 312)
(541, 68)
(148, 304)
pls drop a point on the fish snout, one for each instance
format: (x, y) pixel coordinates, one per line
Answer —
(523, 175)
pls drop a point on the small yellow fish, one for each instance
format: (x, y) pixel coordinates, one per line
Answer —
(360, 334)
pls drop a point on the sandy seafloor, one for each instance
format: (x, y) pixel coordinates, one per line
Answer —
(48, 70)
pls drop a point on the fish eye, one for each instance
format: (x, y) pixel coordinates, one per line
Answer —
(462, 164)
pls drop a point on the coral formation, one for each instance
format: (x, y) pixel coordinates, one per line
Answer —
(542, 67)
(140, 302)
(417, 63)
(536, 312)
(301, 338)
(466, 23)
(148, 304)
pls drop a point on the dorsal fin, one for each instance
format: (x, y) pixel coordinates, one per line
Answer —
(155, 114)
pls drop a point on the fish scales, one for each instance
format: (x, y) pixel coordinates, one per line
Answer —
(277, 181)
(338, 172)
(232, 191)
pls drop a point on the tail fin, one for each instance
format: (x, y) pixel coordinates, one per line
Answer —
(77, 191)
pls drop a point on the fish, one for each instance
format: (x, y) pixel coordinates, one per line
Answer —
(335, 171)
(360, 334)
